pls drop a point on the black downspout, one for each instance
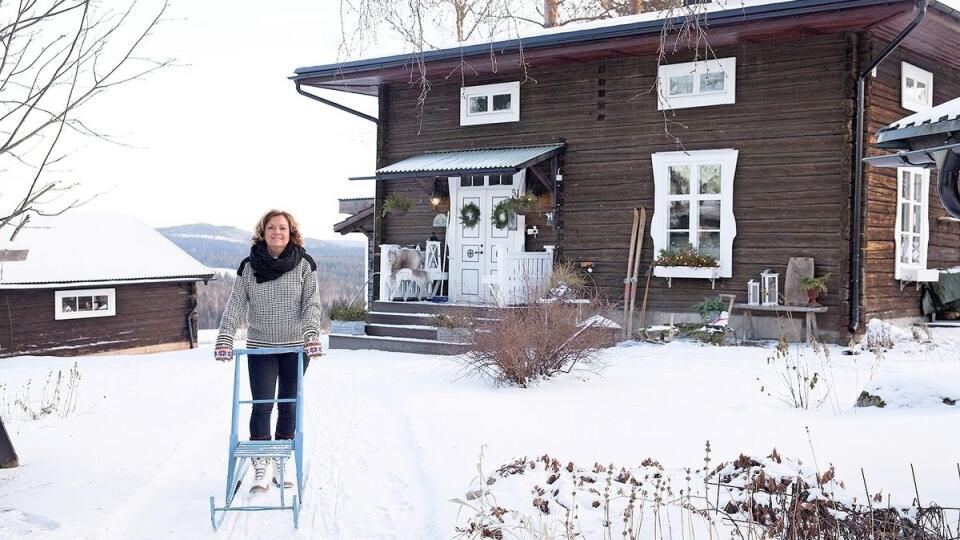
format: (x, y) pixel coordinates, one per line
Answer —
(856, 260)
(334, 104)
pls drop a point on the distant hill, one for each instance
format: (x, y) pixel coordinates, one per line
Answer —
(219, 246)
(340, 264)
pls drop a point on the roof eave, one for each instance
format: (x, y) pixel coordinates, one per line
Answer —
(560, 39)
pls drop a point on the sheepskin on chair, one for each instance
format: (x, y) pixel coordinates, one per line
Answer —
(406, 259)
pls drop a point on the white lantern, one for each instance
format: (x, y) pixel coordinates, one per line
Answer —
(770, 287)
(753, 292)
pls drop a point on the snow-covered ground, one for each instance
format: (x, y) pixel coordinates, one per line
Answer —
(391, 438)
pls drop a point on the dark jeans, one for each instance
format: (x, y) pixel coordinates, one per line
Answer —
(265, 371)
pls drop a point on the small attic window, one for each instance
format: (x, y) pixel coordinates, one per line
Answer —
(490, 104)
(84, 303)
(697, 84)
(916, 88)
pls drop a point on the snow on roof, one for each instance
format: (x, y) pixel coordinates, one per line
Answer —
(78, 247)
(949, 110)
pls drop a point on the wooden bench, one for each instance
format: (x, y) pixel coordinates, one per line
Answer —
(809, 312)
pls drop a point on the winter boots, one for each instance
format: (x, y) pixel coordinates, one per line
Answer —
(260, 482)
(278, 466)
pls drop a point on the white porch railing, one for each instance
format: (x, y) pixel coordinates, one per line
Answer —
(522, 276)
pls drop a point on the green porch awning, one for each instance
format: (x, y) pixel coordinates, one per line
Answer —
(507, 160)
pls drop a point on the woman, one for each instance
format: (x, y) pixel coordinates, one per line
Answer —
(276, 293)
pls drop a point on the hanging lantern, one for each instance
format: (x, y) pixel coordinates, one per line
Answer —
(770, 287)
(753, 293)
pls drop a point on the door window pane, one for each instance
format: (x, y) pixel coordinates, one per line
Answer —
(494, 179)
(710, 215)
(915, 250)
(917, 187)
(680, 214)
(501, 102)
(711, 82)
(478, 104)
(710, 179)
(680, 179)
(68, 304)
(506, 180)
(915, 219)
(681, 84)
(905, 248)
(905, 216)
(905, 185)
(710, 244)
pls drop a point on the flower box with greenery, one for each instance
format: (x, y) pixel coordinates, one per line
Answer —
(685, 262)
(349, 319)
(396, 204)
(814, 286)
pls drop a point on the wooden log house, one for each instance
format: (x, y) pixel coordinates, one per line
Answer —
(82, 283)
(748, 156)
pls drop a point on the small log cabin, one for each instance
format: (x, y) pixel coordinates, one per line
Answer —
(750, 156)
(83, 283)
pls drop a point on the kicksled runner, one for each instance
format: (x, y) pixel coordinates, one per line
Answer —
(241, 452)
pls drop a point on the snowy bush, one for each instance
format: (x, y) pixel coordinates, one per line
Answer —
(750, 497)
(534, 342)
(803, 376)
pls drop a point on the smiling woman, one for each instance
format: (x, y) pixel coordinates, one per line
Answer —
(275, 293)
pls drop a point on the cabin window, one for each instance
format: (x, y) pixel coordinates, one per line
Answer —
(916, 88)
(697, 84)
(693, 205)
(84, 303)
(912, 230)
(490, 104)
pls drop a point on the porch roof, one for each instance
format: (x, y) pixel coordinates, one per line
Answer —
(506, 160)
(942, 120)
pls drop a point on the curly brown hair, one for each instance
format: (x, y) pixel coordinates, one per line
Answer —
(258, 233)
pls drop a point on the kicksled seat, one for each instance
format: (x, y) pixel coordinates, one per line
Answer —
(240, 452)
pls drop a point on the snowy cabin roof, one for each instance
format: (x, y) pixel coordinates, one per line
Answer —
(78, 248)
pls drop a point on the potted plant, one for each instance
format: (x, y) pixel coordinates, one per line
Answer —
(395, 204)
(521, 204)
(814, 286)
(685, 262)
(710, 309)
(349, 319)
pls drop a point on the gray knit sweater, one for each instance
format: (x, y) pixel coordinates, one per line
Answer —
(283, 312)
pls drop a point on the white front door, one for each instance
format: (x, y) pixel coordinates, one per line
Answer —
(474, 251)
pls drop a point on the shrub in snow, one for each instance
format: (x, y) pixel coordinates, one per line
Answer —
(750, 497)
(803, 376)
(58, 397)
(534, 342)
(866, 399)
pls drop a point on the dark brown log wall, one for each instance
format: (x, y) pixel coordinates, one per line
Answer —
(791, 124)
(147, 315)
(882, 297)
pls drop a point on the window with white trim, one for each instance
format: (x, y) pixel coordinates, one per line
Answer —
(693, 204)
(912, 228)
(916, 88)
(490, 104)
(84, 303)
(697, 84)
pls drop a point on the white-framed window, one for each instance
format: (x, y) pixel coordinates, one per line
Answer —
(912, 229)
(916, 88)
(490, 104)
(697, 84)
(84, 303)
(693, 204)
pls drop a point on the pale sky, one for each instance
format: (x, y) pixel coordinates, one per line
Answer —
(224, 136)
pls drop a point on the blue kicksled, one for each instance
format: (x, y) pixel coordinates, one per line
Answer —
(240, 452)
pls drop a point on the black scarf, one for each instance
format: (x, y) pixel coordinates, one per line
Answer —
(268, 268)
